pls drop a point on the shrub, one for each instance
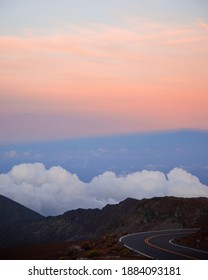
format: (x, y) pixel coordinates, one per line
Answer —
(87, 245)
(124, 252)
(73, 250)
(92, 254)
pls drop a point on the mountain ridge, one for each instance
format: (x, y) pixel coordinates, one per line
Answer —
(12, 212)
(128, 216)
(13, 215)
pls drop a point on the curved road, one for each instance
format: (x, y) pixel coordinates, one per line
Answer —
(159, 245)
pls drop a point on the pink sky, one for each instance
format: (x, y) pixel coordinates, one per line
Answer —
(100, 79)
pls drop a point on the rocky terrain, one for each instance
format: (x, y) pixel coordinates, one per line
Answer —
(100, 227)
(107, 247)
(198, 240)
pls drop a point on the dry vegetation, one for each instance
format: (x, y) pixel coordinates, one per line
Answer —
(107, 247)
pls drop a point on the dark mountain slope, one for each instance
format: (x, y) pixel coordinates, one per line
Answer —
(11, 211)
(130, 215)
(14, 215)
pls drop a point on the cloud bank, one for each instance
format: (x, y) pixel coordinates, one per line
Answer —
(55, 190)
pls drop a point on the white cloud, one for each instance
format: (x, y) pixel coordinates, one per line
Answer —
(10, 154)
(55, 190)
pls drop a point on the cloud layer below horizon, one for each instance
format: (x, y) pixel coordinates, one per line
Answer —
(54, 191)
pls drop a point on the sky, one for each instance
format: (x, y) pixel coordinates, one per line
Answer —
(103, 74)
(90, 68)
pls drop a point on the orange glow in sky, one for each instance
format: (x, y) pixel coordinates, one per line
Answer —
(102, 79)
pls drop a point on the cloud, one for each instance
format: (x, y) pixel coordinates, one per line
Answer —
(55, 190)
(13, 154)
(10, 154)
(203, 25)
(68, 52)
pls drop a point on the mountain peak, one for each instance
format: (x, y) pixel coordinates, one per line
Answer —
(13, 213)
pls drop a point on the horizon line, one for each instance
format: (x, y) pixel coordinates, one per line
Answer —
(122, 134)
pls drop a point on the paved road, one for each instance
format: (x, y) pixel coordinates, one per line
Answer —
(159, 245)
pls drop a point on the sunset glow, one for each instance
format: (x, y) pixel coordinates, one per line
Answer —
(137, 73)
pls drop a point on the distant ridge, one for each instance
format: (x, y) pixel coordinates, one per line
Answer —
(132, 152)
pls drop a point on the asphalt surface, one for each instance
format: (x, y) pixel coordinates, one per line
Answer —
(160, 245)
